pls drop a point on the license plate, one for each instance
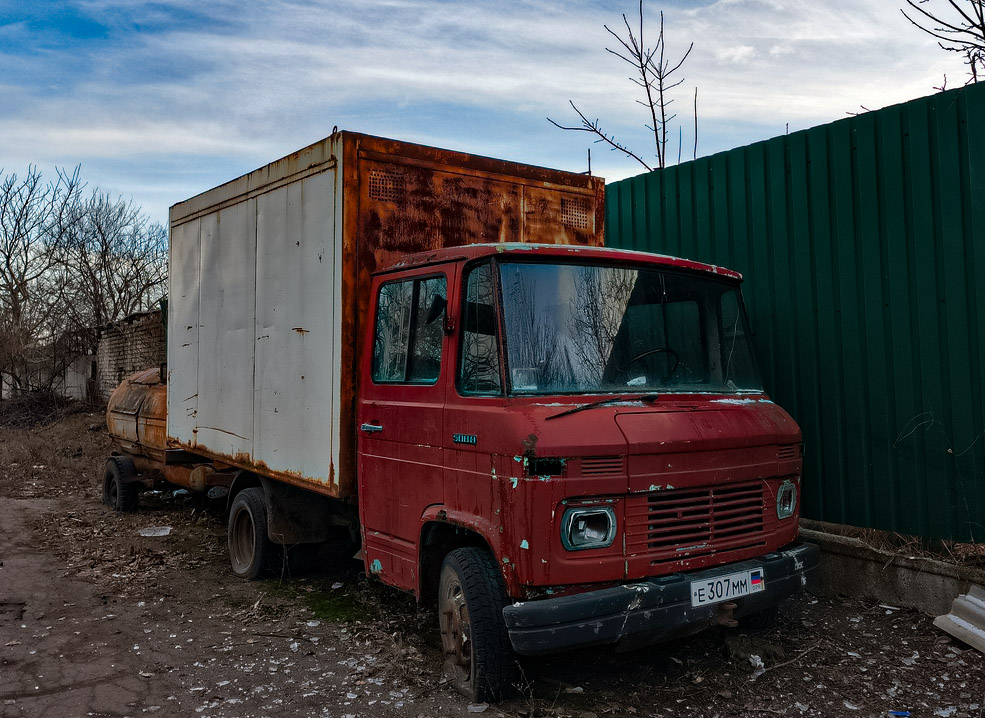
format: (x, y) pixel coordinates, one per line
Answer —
(724, 588)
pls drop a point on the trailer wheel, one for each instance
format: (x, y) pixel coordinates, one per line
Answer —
(120, 491)
(250, 550)
(478, 656)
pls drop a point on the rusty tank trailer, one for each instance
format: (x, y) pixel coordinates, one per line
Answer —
(136, 417)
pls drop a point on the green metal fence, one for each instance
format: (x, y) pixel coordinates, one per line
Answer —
(862, 243)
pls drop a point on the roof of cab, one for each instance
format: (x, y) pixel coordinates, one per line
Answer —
(522, 250)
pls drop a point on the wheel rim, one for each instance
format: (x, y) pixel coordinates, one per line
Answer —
(456, 630)
(241, 541)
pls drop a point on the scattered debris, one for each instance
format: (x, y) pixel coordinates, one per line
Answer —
(155, 531)
(278, 647)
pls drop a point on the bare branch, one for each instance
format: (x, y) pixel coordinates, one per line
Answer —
(594, 128)
(655, 74)
(964, 34)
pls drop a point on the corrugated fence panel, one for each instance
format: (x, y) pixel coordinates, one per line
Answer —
(862, 243)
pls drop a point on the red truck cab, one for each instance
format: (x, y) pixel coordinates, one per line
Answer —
(569, 446)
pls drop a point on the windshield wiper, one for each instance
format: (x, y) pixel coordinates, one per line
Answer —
(653, 396)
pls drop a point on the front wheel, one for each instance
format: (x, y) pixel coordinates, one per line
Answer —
(251, 551)
(478, 656)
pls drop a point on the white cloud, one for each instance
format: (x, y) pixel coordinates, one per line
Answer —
(255, 80)
(735, 55)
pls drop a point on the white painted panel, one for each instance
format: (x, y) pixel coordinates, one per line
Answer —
(184, 269)
(294, 417)
(226, 323)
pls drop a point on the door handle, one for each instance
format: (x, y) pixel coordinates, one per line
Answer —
(371, 428)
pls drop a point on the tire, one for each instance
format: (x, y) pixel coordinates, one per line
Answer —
(479, 659)
(121, 491)
(251, 552)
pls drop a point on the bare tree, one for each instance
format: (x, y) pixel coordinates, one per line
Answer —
(33, 218)
(656, 74)
(958, 25)
(113, 262)
(69, 264)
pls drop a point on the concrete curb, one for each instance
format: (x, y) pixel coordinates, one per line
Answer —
(852, 568)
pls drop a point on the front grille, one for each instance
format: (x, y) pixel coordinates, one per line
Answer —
(671, 525)
(603, 465)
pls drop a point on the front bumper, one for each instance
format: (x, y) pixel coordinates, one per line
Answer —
(652, 610)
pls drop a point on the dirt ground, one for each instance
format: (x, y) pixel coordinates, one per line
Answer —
(99, 620)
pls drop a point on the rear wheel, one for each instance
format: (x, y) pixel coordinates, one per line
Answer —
(250, 549)
(478, 656)
(121, 491)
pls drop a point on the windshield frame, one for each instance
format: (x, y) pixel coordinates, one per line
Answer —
(504, 339)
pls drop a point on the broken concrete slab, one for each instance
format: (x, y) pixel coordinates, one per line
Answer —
(966, 621)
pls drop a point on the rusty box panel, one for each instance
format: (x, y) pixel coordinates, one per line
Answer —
(270, 384)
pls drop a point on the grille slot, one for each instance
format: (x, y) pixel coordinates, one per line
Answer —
(603, 465)
(687, 523)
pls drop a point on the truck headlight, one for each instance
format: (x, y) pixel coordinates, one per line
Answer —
(590, 527)
(786, 500)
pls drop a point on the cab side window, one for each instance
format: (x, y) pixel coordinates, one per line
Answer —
(479, 366)
(409, 331)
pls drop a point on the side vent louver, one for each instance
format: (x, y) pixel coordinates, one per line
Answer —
(386, 185)
(786, 453)
(602, 465)
(574, 213)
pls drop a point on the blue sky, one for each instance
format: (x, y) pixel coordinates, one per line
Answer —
(161, 100)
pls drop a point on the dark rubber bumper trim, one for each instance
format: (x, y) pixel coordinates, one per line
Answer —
(652, 610)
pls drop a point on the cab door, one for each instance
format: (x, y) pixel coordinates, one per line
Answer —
(399, 419)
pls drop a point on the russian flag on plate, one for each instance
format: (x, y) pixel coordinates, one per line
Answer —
(756, 577)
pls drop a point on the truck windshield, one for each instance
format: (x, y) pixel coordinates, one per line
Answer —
(574, 328)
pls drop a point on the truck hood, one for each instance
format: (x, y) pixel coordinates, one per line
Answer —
(673, 443)
(665, 426)
(709, 426)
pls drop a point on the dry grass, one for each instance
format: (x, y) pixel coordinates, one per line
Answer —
(963, 553)
(61, 456)
(38, 408)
